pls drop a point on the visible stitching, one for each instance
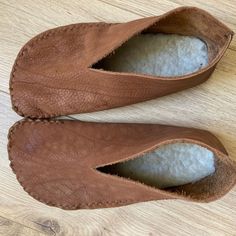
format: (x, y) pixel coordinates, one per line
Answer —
(11, 132)
(32, 43)
(91, 204)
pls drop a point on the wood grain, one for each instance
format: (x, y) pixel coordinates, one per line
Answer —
(210, 106)
(9, 227)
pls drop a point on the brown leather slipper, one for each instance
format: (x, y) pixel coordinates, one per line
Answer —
(54, 73)
(60, 162)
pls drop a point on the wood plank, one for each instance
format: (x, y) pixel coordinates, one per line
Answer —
(10, 228)
(210, 106)
(17, 205)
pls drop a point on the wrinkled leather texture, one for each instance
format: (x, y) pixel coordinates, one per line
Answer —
(53, 72)
(56, 162)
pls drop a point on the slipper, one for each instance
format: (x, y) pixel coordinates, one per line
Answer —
(72, 69)
(76, 165)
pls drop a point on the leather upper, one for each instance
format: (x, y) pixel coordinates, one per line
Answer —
(53, 72)
(56, 162)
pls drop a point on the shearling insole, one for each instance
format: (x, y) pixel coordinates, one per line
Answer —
(169, 165)
(158, 54)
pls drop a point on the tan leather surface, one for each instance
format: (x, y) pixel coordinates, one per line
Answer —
(52, 74)
(56, 161)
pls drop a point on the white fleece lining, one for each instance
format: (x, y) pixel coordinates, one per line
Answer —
(166, 55)
(167, 166)
(158, 54)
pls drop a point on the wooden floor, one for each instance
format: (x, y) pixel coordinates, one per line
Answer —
(211, 106)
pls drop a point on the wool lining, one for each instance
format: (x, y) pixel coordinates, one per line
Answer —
(167, 166)
(159, 54)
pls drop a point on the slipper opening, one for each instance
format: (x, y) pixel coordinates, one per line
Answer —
(178, 44)
(159, 54)
(182, 168)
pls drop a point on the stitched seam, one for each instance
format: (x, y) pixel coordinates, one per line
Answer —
(78, 206)
(31, 43)
(12, 130)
